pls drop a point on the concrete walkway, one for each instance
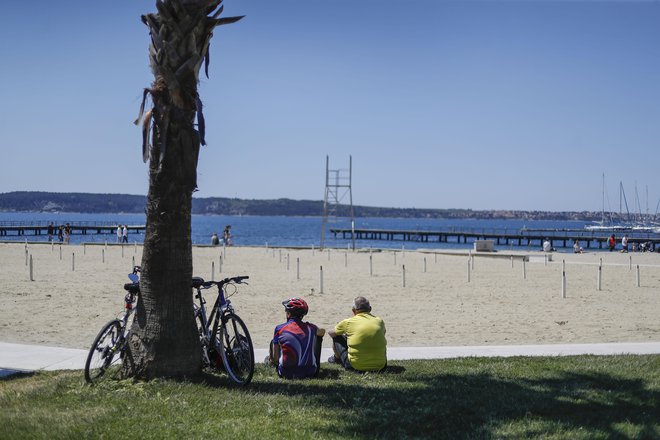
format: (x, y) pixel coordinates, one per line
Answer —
(25, 358)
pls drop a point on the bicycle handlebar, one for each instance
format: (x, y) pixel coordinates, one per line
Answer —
(237, 280)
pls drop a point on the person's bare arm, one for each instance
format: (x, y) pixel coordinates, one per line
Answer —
(276, 354)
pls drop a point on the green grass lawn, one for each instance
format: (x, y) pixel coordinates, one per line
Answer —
(580, 397)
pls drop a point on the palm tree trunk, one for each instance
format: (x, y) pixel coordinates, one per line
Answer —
(164, 340)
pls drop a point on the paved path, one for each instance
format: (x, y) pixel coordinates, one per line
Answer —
(18, 357)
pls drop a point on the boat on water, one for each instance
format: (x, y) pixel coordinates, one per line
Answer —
(651, 228)
(599, 226)
(641, 223)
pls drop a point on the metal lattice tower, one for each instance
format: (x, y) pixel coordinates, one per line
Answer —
(337, 189)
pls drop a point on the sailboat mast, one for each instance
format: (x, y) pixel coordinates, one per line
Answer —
(602, 216)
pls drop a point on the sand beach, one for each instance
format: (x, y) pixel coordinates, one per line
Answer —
(76, 290)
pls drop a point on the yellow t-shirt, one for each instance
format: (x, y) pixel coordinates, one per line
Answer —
(367, 346)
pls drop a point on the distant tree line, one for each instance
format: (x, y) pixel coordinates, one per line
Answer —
(29, 201)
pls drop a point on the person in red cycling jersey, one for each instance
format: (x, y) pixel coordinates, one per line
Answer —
(295, 350)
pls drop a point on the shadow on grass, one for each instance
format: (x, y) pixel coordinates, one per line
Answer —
(434, 404)
(6, 374)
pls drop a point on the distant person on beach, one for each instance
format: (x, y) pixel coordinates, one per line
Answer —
(51, 231)
(124, 234)
(547, 246)
(624, 243)
(226, 235)
(359, 342)
(60, 233)
(67, 233)
(119, 234)
(295, 350)
(214, 239)
(577, 248)
(612, 242)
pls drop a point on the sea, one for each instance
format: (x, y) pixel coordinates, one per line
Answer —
(285, 231)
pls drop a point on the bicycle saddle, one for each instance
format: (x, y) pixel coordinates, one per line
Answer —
(197, 281)
(132, 287)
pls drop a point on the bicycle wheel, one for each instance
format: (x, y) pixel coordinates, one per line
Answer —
(237, 351)
(104, 357)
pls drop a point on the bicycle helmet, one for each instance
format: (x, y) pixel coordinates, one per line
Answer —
(296, 306)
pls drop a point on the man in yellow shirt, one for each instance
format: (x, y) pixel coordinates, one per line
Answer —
(359, 341)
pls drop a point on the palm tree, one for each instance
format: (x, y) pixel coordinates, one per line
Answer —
(164, 340)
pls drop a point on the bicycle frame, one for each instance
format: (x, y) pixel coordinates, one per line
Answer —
(221, 307)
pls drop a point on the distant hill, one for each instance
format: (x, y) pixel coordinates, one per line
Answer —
(33, 201)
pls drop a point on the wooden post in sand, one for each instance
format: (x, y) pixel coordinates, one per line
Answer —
(220, 264)
(524, 266)
(471, 260)
(629, 262)
(600, 277)
(133, 260)
(638, 278)
(424, 264)
(403, 274)
(212, 270)
(321, 280)
(394, 258)
(563, 278)
(224, 250)
(287, 261)
(102, 255)
(31, 269)
(122, 250)
(73, 262)
(280, 253)
(26, 256)
(371, 265)
(85, 250)
(297, 268)
(60, 252)
(468, 271)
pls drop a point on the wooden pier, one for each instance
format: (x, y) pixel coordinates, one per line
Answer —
(520, 237)
(82, 228)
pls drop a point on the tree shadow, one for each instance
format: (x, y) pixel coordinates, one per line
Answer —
(7, 374)
(481, 405)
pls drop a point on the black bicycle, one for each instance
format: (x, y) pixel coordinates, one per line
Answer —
(225, 340)
(107, 351)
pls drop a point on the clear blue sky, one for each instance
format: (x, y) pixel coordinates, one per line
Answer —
(442, 104)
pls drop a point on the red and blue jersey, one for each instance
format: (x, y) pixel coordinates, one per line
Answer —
(297, 340)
